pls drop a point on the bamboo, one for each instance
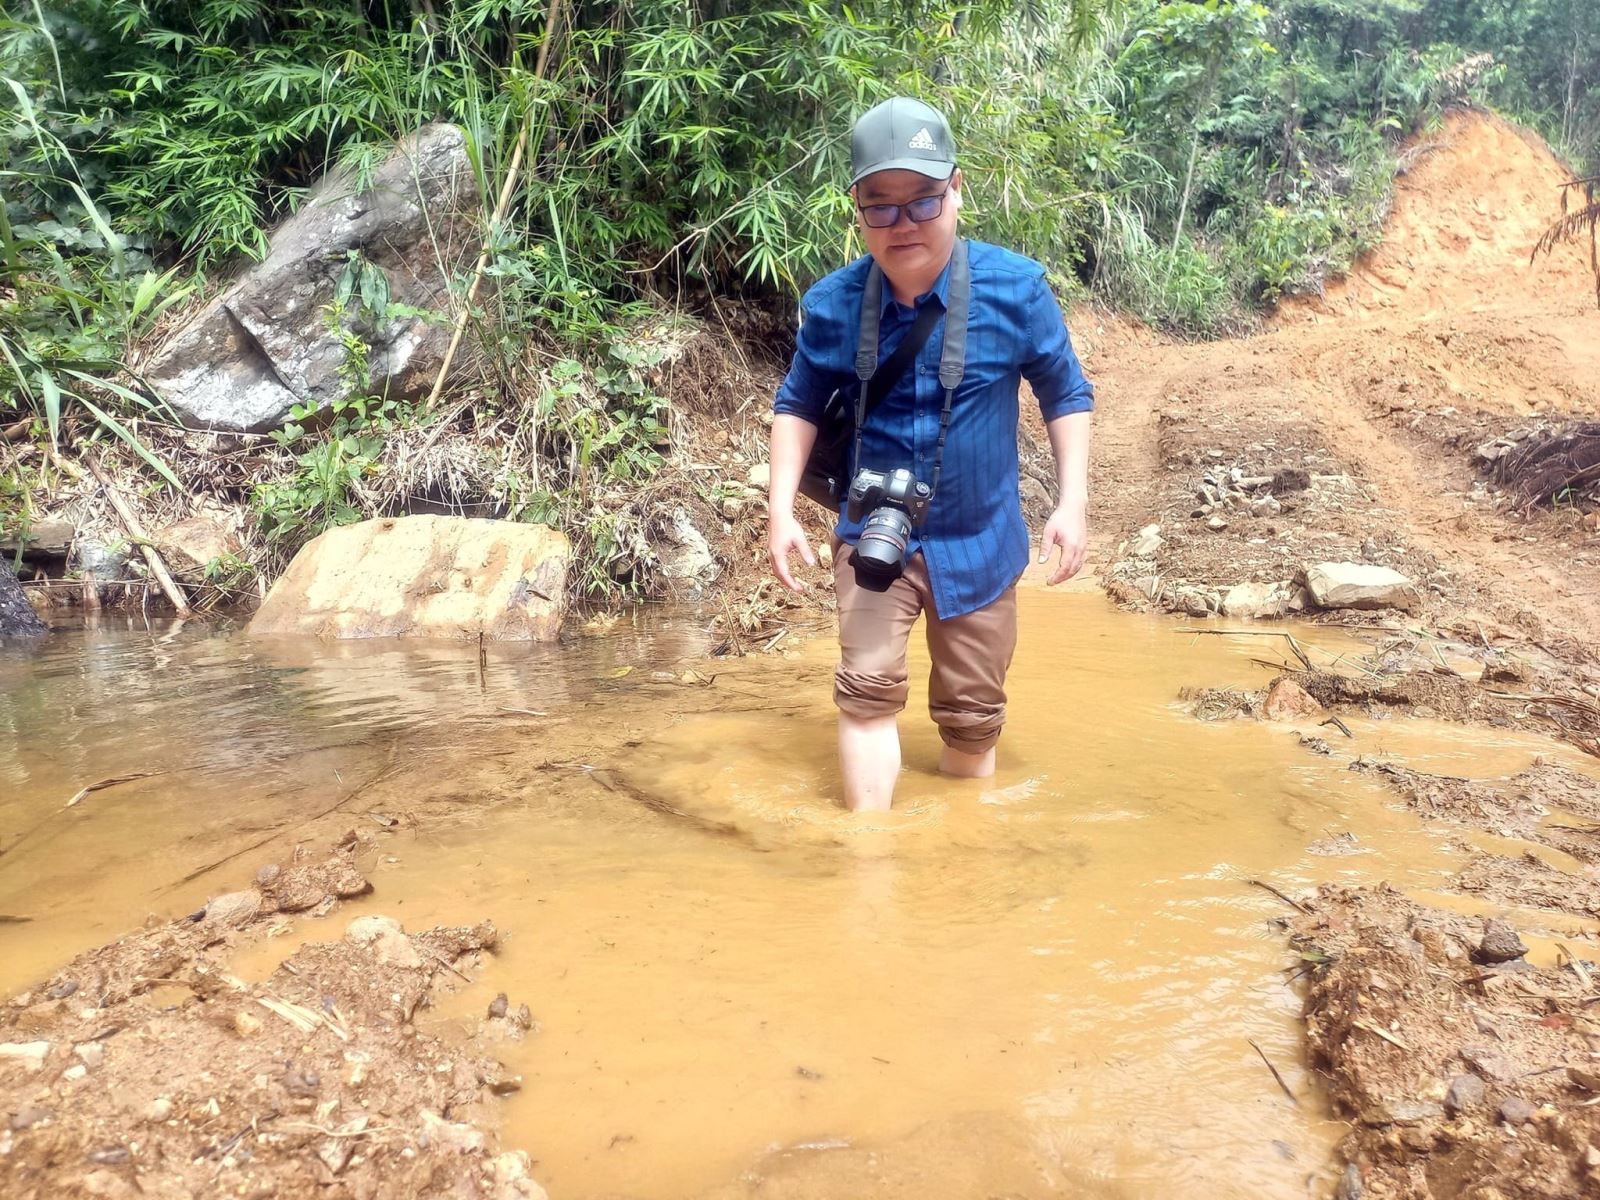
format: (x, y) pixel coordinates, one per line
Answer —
(501, 205)
(158, 568)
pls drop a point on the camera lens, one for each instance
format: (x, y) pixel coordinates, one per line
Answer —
(881, 551)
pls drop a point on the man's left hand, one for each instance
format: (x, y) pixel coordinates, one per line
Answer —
(1068, 528)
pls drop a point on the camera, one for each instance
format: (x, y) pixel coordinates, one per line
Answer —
(893, 502)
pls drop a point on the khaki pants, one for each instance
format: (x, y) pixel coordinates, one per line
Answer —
(971, 654)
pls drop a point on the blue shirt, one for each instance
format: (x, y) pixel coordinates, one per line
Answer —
(974, 538)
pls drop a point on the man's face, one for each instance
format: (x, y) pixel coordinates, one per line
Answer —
(909, 248)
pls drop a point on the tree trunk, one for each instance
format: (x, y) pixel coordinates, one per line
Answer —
(17, 618)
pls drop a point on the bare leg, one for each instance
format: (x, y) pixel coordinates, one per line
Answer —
(869, 759)
(967, 766)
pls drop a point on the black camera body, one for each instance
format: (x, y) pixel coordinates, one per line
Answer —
(892, 503)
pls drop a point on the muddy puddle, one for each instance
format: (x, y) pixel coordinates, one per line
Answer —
(1044, 984)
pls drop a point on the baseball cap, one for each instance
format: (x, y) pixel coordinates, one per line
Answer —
(901, 134)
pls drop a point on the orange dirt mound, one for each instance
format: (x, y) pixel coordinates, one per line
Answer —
(1467, 213)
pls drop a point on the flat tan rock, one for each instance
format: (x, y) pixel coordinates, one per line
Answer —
(423, 577)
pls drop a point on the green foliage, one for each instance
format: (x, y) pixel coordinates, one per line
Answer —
(1189, 161)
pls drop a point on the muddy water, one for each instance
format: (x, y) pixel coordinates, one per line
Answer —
(1043, 984)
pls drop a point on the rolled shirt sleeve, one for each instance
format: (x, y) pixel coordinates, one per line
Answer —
(1052, 369)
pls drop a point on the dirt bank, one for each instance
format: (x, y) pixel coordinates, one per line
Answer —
(1362, 427)
(146, 1067)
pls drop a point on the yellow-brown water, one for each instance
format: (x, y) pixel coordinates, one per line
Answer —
(1043, 984)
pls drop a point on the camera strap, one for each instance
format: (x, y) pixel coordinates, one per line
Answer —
(877, 380)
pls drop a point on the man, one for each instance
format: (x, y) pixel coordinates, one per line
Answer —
(963, 559)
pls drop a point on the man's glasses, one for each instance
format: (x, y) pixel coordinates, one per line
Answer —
(881, 216)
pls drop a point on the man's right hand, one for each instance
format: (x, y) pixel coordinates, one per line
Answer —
(785, 536)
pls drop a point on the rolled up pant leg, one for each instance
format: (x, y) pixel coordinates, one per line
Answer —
(872, 677)
(967, 687)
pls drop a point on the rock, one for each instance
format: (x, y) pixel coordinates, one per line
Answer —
(267, 874)
(234, 909)
(759, 478)
(1216, 524)
(1500, 943)
(109, 1156)
(264, 345)
(1037, 500)
(1146, 542)
(27, 1118)
(246, 1024)
(1290, 479)
(189, 546)
(1588, 1078)
(451, 1135)
(424, 576)
(1288, 701)
(509, 1178)
(1265, 506)
(1369, 550)
(94, 559)
(17, 615)
(306, 885)
(1349, 1185)
(1489, 1063)
(385, 939)
(29, 1056)
(1401, 1112)
(42, 539)
(90, 1054)
(1514, 1110)
(1466, 1092)
(690, 559)
(158, 1111)
(498, 1006)
(1361, 585)
(1259, 600)
(523, 1017)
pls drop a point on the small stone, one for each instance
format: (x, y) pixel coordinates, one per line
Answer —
(524, 1017)
(1588, 1078)
(246, 1024)
(62, 990)
(1489, 1064)
(498, 1006)
(1514, 1110)
(158, 1111)
(510, 1179)
(1349, 1185)
(1288, 701)
(301, 1083)
(1290, 479)
(91, 1054)
(27, 1118)
(1315, 744)
(759, 477)
(504, 1085)
(267, 874)
(29, 1055)
(1466, 1092)
(234, 909)
(1360, 586)
(110, 1156)
(451, 1135)
(384, 937)
(74, 1073)
(1216, 524)
(1146, 542)
(1500, 943)
(1265, 506)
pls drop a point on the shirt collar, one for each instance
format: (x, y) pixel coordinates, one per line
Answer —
(941, 288)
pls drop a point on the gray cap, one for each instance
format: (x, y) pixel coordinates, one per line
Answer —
(901, 134)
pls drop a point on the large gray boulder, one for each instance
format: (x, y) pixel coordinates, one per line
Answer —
(265, 344)
(17, 618)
